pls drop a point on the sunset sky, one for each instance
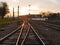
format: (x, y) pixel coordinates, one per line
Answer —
(36, 5)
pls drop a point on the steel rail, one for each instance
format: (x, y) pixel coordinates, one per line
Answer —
(36, 34)
(50, 26)
(19, 34)
(10, 34)
(25, 36)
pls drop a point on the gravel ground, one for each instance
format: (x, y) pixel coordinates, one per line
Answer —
(51, 35)
(7, 29)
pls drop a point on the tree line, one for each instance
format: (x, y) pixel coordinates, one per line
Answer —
(3, 9)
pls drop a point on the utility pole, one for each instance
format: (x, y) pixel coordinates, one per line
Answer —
(18, 17)
(29, 9)
(29, 12)
(18, 11)
(13, 13)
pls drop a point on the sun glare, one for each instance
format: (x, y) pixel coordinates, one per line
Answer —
(25, 10)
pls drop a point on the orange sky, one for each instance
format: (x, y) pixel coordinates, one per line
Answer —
(36, 5)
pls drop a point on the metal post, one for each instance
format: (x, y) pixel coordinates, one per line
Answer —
(18, 12)
(29, 12)
(13, 13)
(29, 9)
(18, 21)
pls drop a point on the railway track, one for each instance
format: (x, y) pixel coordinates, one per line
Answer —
(10, 39)
(51, 34)
(24, 35)
(56, 27)
(29, 36)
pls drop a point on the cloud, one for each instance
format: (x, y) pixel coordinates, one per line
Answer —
(55, 1)
(41, 4)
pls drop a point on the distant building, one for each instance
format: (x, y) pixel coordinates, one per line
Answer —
(54, 16)
(33, 17)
